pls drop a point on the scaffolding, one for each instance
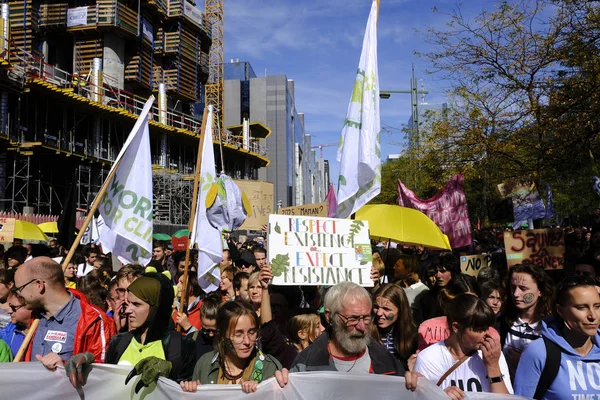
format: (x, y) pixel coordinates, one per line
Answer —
(172, 195)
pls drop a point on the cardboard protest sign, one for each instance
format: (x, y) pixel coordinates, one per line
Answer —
(7, 229)
(471, 265)
(308, 210)
(260, 195)
(319, 251)
(543, 247)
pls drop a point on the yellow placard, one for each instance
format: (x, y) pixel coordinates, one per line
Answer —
(260, 196)
(7, 229)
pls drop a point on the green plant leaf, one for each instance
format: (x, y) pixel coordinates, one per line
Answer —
(277, 228)
(342, 180)
(279, 264)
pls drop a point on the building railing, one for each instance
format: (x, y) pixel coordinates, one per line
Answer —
(29, 66)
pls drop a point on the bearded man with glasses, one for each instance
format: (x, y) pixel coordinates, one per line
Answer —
(347, 345)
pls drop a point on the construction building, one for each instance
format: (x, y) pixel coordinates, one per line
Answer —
(74, 76)
(271, 101)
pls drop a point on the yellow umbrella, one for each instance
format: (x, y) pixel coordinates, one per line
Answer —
(28, 231)
(48, 227)
(404, 225)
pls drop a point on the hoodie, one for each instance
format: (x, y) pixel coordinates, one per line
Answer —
(577, 377)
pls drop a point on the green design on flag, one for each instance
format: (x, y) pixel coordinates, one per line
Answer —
(359, 151)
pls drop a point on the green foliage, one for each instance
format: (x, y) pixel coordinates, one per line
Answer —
(279, 264)
(355, 228)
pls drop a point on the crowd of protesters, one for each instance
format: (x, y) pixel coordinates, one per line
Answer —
(523, 330)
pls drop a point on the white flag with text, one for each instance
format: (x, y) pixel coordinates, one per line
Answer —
(126, 207)
(359, 151)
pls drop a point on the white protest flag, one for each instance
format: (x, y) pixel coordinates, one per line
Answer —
(208, 238)
(126, 207)
(359, 150)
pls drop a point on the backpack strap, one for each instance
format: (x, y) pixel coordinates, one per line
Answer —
(173, 353)
(551, 367)
(452, 369)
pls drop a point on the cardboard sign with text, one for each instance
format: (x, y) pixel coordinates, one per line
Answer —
(543, 247)
(307, 210)
(314, 251)
(260, 195)
(471, 265)
(7, 230)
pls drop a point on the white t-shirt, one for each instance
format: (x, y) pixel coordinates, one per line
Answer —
(470, 376)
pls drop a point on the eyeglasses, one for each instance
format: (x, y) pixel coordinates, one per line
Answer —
(355, 319)
(209, 332)
(18, 290)
(14, 308)
(238, 338)
(578, 280)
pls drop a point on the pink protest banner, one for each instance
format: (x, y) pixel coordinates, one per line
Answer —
(448, 209)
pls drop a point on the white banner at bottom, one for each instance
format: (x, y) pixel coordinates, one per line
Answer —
(32, 380)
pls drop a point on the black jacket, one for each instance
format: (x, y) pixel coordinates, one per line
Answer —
(316, 358)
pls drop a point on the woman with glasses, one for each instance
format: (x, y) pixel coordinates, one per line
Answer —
(564, 364)
(470, 359)
(237, 359)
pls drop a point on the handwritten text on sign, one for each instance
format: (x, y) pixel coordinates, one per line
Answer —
(319, 251)
(471, 265)
(260, 195)
(309, 210)
(543, 247)
(7, 229)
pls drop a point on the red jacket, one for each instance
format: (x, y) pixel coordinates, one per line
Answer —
(193, 316)
(93, 333)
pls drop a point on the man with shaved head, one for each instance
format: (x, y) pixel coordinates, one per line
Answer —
(68, 325)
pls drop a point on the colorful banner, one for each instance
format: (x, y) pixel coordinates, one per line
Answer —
(543, 247)
(108, 382)
(359, 150)
(7, 230)
(307, 210)
(448, 209)
(126, 206)
(527, 204)
(319, 251)
(260, 195)
(471, 265)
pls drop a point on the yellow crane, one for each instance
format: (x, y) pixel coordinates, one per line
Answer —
(213, 95)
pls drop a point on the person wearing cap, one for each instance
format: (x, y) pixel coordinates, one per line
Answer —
(151, 345)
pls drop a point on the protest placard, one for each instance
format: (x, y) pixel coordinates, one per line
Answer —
(543, 247)
(7, 230)
(319, 251)
(471, 265)
(307, 210)
(260, 195)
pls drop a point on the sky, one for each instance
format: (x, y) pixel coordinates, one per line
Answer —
(318, 44)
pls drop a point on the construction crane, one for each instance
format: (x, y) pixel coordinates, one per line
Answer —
(213, 95)
(320, 147)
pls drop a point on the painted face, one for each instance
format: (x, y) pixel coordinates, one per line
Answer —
(582, 312)
(471, 340)
(386, 313)
(243, 336)
(242, 292)
(524, 291)
(137, 311)
(442, 277)
(494, 300)
(255, 291)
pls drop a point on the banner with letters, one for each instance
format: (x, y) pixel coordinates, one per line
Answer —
(307, 210)
(108, 382)
(543, 247)
(471, 265)
(260, 195)
(314, 251)
(448, 209)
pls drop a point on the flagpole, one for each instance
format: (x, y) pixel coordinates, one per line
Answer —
(378, 7)
(184, 293)
(90, 215)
